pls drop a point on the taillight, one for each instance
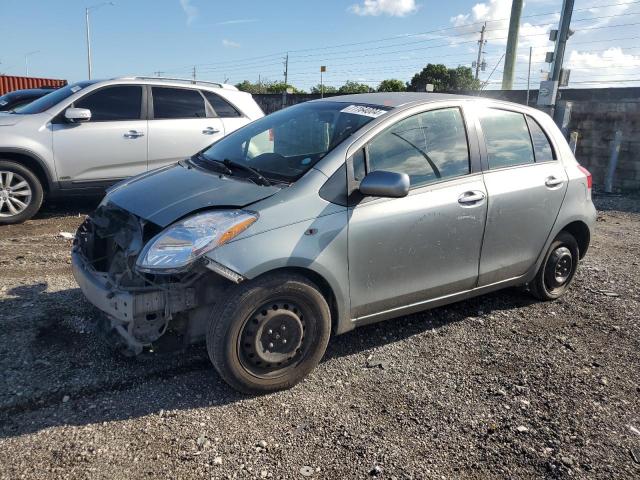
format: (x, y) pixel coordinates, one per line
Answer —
(588, 175)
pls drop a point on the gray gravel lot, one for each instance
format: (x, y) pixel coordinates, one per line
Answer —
(495, 387)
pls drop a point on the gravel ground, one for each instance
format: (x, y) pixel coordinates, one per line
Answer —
(495, 387)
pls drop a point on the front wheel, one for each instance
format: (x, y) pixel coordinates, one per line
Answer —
(557, 269)
(21, 193)
(269, 333)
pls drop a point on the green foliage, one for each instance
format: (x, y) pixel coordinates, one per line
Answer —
(265, 87)
(444, 79)
(392, 85)
(354, 87)
(327, 89)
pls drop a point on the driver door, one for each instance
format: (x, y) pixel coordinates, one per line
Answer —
(111, 146)
(406, 251)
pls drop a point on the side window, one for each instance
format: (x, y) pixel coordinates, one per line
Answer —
(222, 108)
(541, 146)
(428, 147)
(177, 103)
(113, 103)
(507, 138)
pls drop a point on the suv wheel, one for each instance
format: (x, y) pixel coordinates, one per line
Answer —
(21, 193)
(269, 333)
(557, 269)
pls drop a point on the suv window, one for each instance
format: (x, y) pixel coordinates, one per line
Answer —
(507, 138)
(427, 147)
(177, 103)
(541, 146)
(113, 103)
(222, 108)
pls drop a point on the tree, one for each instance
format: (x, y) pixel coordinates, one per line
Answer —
(354, 87)
(265, 87)
(444, 79)
(392, 85)
(326, 88)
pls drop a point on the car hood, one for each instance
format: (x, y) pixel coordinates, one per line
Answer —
(7, 119)
(168, 194)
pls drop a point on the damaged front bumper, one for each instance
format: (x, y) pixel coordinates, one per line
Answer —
(140, 307)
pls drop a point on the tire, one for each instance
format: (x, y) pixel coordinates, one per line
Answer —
(557, 270)
(18, 204)
(269, 333)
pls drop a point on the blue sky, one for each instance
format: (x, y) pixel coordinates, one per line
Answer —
(361, 40)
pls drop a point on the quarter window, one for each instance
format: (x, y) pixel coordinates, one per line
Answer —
(222, 108)
(507, 138)
(541, 146)
(113, 103)
(177, 103)
(428, 147)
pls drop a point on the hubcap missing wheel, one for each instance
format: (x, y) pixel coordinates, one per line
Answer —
(559, 267)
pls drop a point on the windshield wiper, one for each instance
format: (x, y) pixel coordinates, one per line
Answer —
(221, 165)
(263, 180)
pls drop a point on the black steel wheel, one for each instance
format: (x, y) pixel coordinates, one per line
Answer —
(269, 333)
(557, 269)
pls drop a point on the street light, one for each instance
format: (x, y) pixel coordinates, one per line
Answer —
(26, 61)
(86, 16)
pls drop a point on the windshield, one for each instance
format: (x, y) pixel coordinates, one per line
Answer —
(286, 144)
(53, 98)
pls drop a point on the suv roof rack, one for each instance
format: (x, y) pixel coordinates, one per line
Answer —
(191, 81)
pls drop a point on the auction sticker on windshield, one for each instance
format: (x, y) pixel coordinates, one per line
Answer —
(364, 110)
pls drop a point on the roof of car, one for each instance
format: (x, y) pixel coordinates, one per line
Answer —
(394, 99)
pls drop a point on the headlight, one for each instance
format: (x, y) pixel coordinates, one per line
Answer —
(182, 243)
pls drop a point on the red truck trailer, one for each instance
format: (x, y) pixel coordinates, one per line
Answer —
(10, 83)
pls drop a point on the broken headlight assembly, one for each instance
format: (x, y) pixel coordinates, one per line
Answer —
(179, 245)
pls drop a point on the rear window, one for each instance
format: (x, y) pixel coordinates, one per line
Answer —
(220, 106)
(507, 138)
(177, 103)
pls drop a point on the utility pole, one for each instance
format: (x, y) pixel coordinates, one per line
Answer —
(529, 74)
(159, 73)
(86, 19)
(481, 44)
(323, 68)
(561, 41)
(26, 61)
(193, 74)
(512, 45)
(286, 79)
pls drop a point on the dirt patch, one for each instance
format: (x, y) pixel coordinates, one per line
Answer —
(499, 386)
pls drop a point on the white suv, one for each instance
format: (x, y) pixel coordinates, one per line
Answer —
(87, 136)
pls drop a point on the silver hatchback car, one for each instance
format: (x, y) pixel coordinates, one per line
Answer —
(333, 214)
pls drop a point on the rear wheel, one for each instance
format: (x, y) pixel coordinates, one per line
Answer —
(269, 333)
(557, 269)
(21, 193)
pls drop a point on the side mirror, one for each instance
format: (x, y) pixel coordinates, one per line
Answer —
(385, 184)
(77, 115)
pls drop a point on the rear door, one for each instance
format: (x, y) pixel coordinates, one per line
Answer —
(181, 123)
(526, 185)
(109, 147)
(409, 250)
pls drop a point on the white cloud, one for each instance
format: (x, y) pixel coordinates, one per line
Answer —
(190, 11)
(230, 43)
(613, 58)
(394, 8)
(238, 21)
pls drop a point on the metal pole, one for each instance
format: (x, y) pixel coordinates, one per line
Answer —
(613, 162)
(563, 36)
(286, 76)
(480, 46)
(529, 74)
(512, 45)
(86, 19)
(193, 74)
(573, 141)
(321, 85)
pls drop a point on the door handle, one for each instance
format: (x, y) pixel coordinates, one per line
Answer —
(470, 198)
(133, 134)
(553, 182)
(210, 131)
